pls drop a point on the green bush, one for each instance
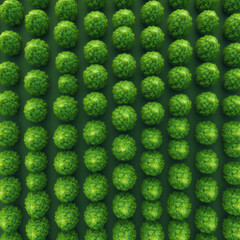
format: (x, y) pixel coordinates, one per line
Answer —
(123, 3)
(69, 235)
(67, 84)
(205, 236)
(9, 103)
(179, 105)
(11, 236)
(124, 229)
(37, 228)
(178, 230)
(40, 4)
(36, 181)
(231, 132)
(9, 73)
(9, 162)
(178, 149)
(231, 106)
(178, 128)
(67, 63)
(151, 188)
(231, 28)
(202, 5)
(231, 201)
(36, 162)
(96, 234)
(95, 4)
(231, 80)
(9, 133)
(231, 173)
(66, 10)
(151, 138)
(151, 230)
(231, 55)
(123, 17)
(232, 150)
(230, 7)
(151, 210)
(231, 228)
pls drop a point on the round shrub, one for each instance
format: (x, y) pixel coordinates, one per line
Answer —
(151, 188)
(40, 4)
(124, 177)
(205, 236)
(9, 103)
(94, 234)
(67, 84)
(178, 4)
(231, 227)
(178, 128)
(10, 43)
(179, 105)
(151, 138)
(231, 55)
(231, 132)
(95, 187)
(95, 4)
(37, 23)
(96, 24)
(9, 133)
(36, 181)
(202, 5)
(37, 228)
(36, 162)
(124, 148)
(69, 235)
(231, 201)
(179, 176)
(231, 106)
(180, 17)
(36, 110)
(231, 28)
(151, 230)
(123, 3)
(231, 80)
(178, 149)
(207, 74)
(66, 10)
(231, 173)
(232, 150)
(123, 17)
(231, 6)
(151, 210)
(178, 230)
(124, 229)
(9, 73)
(67, 63)
(95, 52)
(179, 78)
(9, 162)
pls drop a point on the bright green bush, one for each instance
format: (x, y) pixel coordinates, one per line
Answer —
(151, 188)
(151, 230)
(95, 4)
(178, 149)
(232, 150)
(124, 229)
(36, 181)
(36, 161)
(151, 138)
(178, 128)
(151, 210)
(231, 132)
(205, 236)
(66, 10)
(231, 173)
(231, 106)
(67, 63)
(231, 201)
(67, 84)
(231, 80)
(9, 133)
(231, 55)
(123, 17)
(231, 227)
(41, 4)
(202, 5)
(69, 235)
(9, 103)
(123, 3)
(9, 162)
(179, 105)
(37, 228)
(231, 28)
(11, 236)
(9, 73)
(231, 6)
(178, 230)
(178, 4)
(96, 234)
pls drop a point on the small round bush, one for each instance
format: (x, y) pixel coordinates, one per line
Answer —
(94, 234)
(207, 48)
(206, 161)
(37, 228)
(179, 23)
(151, 138)
(179, 205)
(67, 84)
(124, 229)
(9, 162)
(36, 110)
(9, 103)
(232, 150)
(231, 6)
(178, 128)
(151, 188)
(95, 52)
(151, 63)
(123, 17)
(40, 4)
(231, 55)
(207, 74)
(178, 4)
(36, 162)
(152, 38)
(10, 43)
(95, 187)
(231, 132)
(69, 235)
(124, 66)
(151, 230)
(124, 148)
(231, 227)
(67, 63)
(95, 158)
(178, 230)
(124, 205)
(231, 201)
(151, 210)
(231, 173)
(206, 219)
(202, 5)
(37, 23)
(205, 236)
(206, 189)
(231, 80)
(152, 163)
(231, 106)
(123, 3)
(179, 176)
(96, 24)
(124, 177)
(67, 216)
(95, 77)
(36, 138)
(178, 149)
(179, 78)
(9, 74)
(207, 22)
(37, 53)
(66, 162)
(9, 133)
(231, 28)
(152, 87)
(65, 137)
(95, 4)
(10, 189)
(11, 12)
(36, 181)
(179, 105)
(66, 189)
(66, 10)
(152, 13)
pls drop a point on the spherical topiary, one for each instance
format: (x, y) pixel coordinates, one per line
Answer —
(232, 149)
(96, 24)
(124, 66)
(67, 84)
(231, 106)
(179, 176)
(123, 3)
(37, 228)
(178, 128)
(231, 201)
(152, 87)
(95, 77)
(40, 4)
(10, 189)
(231, 132)
(66, 10)
(94, 234)
(95, 104)
(205, 236)
(123, 17)
(151, 188)
(124, 205)
(231, 80)
(9, 162)
(231, 227)
(124, 229)
(179, 105)
(206, 219)
(231, 28)
(207, 74)
(9, 133)
(231, 173)
(178, 205)
(124, 148)
(9, 74)
(202, 5)
(37, 23)
(95, 52)
(95, 158)
(178, 149)
(231, 55)
(151, 230)
(37, 53)
(207, 22)
(36, 162)
(206, 189)
(179, 52)
(151, 210)
(36, 138)
(151, 138)
(178, 230)
(69, 235)
(10, 43)
(95, 132)
(179, 23)
(11, 12)
(67, 63)
(124, 177)
(9, 103)
(152, 13)
(65, 136)
(36, 110)
(124, 118)
(66, 189)
(178, 4)
(231, 6)
(95, 187)
(36, 181)
(66, 162)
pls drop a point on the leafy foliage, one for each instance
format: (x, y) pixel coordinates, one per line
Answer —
(9, 73)
(151, 188)
(36, 161)
(36, 181)
(178, 128)
(9, 103)
(9, 133)
(37, 229)
(124, 229)
(178, 149)
(231, 28)
(67, 84)
(178, 230)
(9, 162)
(151, 230)
(66, 10)
(67, 63)
(231, 201)
(231, 106)
(179, 105)
(151, 138)
(231, 56)
(231, 227)
(123, 17)
(231, 171)
(231, 80)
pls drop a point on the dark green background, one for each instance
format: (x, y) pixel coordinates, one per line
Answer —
(52, 122)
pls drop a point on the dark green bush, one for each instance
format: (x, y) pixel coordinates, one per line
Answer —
(9, 103)
(9, 73)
